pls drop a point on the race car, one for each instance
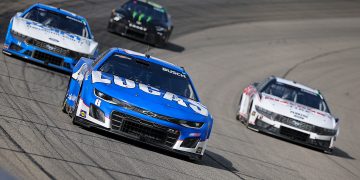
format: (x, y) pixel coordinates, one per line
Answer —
(289, 110)
(142, 20)
(139, 97)
(50, 36)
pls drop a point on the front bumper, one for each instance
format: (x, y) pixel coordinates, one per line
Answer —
(33, 53)
(123, 28)
(321, 142)
(141, 128)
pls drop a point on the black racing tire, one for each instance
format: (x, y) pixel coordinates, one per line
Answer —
(73, 114)
(329, 151)
(65, 107)
(109, 28)
(238, 117)
(161, 44)
(246, 121)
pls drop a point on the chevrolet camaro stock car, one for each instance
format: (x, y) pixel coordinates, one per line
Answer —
(142, 20)
(289, 110)
(50, 36)
(139, 97)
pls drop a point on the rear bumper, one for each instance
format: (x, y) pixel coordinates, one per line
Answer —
(324, 143)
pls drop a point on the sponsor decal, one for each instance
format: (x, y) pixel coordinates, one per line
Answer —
(126, 83)
(83, 113)
(174, 72)
(298, 107)
(72, 97)
(41, 27)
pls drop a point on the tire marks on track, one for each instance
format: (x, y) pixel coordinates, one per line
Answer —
(49, 175)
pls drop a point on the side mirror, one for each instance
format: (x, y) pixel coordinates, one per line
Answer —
(18, 14)
(337, 120)
(255, 84)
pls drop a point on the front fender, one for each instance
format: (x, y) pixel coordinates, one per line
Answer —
(81, 71)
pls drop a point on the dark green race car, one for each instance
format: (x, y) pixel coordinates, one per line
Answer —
(142, 20)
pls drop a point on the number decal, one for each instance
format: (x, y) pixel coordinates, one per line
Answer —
(97, 102)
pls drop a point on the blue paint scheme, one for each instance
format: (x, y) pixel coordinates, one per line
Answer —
(9, 39)
(134, 96)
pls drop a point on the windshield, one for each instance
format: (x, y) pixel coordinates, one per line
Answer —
(150, 74)
(296, 95)
(58, 21)
(141, 11)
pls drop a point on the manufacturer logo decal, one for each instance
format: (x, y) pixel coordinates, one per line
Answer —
(49, 47)
(55, 40)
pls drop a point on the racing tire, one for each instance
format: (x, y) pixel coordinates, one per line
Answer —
(109, 28)
(329, 151)
(238, 117)
(246, 120)
(195, 158)
(73, 114)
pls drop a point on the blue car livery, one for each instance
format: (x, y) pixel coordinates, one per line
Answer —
(139, 97)
(50, 36)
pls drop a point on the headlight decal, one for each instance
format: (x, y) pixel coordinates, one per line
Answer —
(126, 105)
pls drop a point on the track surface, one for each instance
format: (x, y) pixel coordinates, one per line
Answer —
(37, 141)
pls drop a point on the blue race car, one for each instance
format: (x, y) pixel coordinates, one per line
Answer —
(139, 97)
(50, 36)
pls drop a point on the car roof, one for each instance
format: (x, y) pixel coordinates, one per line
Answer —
(151, 59)
(58, 10)
(295, 84)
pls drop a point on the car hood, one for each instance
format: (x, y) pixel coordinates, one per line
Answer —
(142, 21)
(155, 103)
(297, 111)
(54, 36)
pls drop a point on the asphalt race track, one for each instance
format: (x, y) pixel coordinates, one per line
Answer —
(224, 45)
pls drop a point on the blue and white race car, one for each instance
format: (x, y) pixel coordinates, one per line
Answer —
(139, 97)
(50, 36)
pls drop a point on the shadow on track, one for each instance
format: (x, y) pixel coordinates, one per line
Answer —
(336, 152)
(340, 153)
(43, 67)
(169, 46)
(173, 47)
(210, 158)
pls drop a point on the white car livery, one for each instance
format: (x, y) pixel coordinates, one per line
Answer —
(50, 36)
(289, 110)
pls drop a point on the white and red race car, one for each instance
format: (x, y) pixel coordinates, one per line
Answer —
(289, 110)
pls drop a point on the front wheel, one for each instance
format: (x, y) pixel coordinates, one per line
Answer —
(246, 120)
(238, 117)
(195, 158)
